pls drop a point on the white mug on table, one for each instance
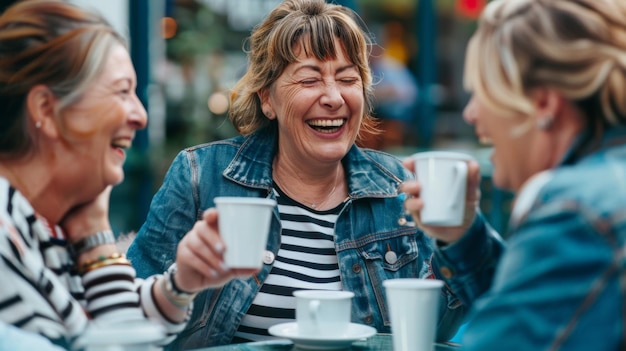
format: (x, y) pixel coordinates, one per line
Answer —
(323, 312)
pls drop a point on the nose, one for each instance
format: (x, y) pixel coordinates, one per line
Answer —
(469, 112)
(138, 114)
(332, 97)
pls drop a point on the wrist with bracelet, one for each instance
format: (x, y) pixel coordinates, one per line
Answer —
(103, 237)
(177, 297)
(104, 261)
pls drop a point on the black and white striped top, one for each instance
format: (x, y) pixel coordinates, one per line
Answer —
(41, 292)
(306, 259)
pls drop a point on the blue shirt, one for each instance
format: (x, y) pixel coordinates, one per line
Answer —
(372, 222)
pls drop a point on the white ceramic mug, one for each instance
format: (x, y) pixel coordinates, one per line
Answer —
(244, 225)
(413, 309)
(323, 312)
(443, 175)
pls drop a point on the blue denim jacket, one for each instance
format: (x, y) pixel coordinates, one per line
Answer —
(371, 222)
(561, 283)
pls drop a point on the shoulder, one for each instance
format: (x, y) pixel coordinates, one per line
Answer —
(590, 192)
(213, 152)
(218, 146)
(385, 162)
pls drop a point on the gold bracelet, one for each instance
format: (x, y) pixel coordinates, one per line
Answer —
(103, 261)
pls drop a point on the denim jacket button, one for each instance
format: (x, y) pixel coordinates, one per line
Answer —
(446, 272)
(268, 257)
(391, 257)
(368, 320)
(356, 268)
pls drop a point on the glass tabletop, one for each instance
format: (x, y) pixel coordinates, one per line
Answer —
(378, 342)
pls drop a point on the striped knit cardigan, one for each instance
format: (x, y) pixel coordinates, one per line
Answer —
(41, 292)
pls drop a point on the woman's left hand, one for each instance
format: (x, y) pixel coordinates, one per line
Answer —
(414, 203)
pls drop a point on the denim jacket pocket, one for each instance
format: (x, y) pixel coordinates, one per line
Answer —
(196, 332)
(390, 257)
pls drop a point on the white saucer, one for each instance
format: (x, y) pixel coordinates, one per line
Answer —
(320, 342)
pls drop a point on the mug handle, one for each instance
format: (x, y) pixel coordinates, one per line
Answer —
(314, 306)
(461, 173)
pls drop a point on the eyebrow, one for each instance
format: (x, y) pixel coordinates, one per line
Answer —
(319, 69)
(122, 80)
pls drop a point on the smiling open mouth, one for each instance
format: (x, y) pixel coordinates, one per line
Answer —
(327, 126)
(121, 144)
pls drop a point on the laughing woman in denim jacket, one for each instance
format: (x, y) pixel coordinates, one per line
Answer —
(549, 92)
(340, 223)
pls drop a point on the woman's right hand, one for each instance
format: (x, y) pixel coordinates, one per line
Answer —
(200, 260)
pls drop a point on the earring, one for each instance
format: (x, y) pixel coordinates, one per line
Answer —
(268, 114)
(38, 124)
(545, 123)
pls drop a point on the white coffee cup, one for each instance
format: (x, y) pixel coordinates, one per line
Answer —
(244, 224)
(443, 175)
(323, 312)
(413, 308)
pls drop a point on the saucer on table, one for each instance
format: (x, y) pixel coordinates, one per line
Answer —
(321, 342)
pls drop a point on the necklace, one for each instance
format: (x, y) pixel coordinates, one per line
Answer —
(311, 204)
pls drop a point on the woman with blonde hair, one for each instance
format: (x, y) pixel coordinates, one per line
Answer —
(548, 79)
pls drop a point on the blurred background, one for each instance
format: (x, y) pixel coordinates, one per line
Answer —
(188, 53)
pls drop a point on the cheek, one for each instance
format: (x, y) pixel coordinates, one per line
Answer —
(95, 123)
(354, 98)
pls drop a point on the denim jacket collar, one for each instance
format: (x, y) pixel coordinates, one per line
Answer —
(585, 144)
(252, 166)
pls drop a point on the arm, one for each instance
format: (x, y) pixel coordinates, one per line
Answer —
(173, 212)
(465, 256)
(544, 284)
(173, 233)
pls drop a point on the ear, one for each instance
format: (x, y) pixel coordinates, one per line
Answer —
(266, 106)
(41, 108)
(547, 104)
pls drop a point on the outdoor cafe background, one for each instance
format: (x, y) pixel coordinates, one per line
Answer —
(188, 53)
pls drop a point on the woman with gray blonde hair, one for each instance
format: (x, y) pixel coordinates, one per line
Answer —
(548, 79)
(68, 113)
(340, 223)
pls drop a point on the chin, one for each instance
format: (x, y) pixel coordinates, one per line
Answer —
(500, 182)
(116, 177)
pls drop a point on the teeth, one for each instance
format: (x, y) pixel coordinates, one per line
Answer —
(326, 123)
(121, 143)
(485, 140)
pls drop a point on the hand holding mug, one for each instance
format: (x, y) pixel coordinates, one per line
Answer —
(200, 257)
(450, 184)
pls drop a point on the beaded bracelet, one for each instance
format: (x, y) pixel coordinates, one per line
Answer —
(103, 261)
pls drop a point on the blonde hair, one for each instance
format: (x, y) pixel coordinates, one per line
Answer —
(577, 47)
(271, 49)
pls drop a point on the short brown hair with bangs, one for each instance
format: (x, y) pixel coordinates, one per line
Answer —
(271, 50)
